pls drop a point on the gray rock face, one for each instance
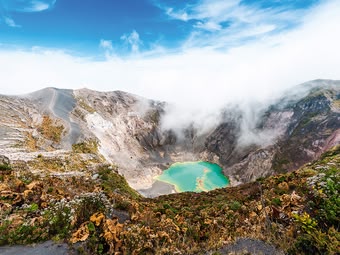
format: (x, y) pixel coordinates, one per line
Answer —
(304, 127)
(127, 130)
(223, 142)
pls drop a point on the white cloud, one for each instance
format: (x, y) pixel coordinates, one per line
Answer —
(10, 6)
(180, 15)
(199, 80)
(232, 22)
(27, 5)
(106, 45)
(38, 6)
(10, 22)
(210, 26)
(215, 9)
(132, 40)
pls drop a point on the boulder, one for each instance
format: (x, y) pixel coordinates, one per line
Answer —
(4, 160)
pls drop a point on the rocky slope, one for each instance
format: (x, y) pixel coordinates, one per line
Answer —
(289, 133)
(124, 129)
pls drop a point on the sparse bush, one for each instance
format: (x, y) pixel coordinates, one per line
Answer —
(114, 182)
(27, 177)
(59, 218)
(88, 146)
(88, 204)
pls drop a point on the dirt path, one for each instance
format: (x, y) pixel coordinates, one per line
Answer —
(59, 102)
(48, 247)
(250, 246)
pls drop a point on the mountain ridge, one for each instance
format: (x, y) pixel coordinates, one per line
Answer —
(128, 131)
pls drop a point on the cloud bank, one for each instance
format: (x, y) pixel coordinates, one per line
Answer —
(197, 80)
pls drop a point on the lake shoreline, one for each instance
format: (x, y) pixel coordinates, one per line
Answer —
(195, 176)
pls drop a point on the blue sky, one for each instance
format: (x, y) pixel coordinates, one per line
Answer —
(132, 26)
(179, 51)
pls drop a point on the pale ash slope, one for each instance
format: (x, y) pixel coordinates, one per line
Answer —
(118, 120)
(124, 126)
(22, 139)
(60, 103)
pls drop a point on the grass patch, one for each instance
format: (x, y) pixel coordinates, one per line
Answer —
(85, 106)
(88, 146)
(114, 182)
(50, 129)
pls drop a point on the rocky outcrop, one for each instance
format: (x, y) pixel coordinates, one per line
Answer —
(4, 160)
(301, 128)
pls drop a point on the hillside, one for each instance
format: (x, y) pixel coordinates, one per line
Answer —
(297, 213)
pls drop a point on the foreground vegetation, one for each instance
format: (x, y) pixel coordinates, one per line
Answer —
(297, 212)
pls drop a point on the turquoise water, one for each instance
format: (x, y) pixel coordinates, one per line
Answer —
(194, 176)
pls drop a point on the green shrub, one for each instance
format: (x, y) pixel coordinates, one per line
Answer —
(33, 208)
(276, 201)
(114, 182)
(5, 167)
(307, 223)
(23, 234)
(59, 218)
(86, 206)
(235, 205)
